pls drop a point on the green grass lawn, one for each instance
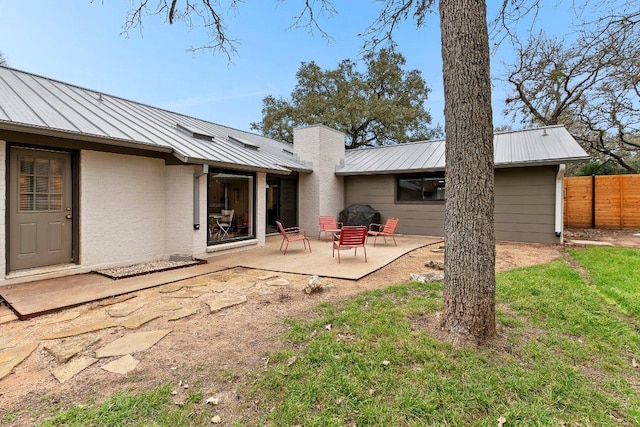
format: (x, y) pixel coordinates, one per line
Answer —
(564, 356)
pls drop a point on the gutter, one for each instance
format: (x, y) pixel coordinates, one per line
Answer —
(559, 223)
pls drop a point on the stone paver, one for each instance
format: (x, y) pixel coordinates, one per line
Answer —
(167, 306)
(188, 293)
(69, 346)
(122, 366)
(67, 315)
(217, 287)
(135, 321)
(69, 370)
(12, 357)
(132, 343)
(65, 350)
(220, 303)
(241, 284)
(8, 342)
(82, 329)
(186, 312)
(116, 300)
(279, 281)
(124, 310)
(173, 287)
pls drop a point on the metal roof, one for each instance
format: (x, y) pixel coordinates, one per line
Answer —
(35, 104)
(549, 145)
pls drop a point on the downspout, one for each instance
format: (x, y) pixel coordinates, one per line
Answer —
(559, 200)
(196, 195)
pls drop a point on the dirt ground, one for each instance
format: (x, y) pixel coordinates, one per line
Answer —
(212, 351)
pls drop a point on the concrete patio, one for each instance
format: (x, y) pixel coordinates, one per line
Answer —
(320, 261)
(40, 297)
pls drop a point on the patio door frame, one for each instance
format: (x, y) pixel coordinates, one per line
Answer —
(284, 206)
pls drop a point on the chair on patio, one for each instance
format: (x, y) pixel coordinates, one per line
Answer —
(328, 226)
(224, 223)
(351, 237)
(292, 234)
(388, 229)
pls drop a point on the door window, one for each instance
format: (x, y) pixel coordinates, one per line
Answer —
(41, 184)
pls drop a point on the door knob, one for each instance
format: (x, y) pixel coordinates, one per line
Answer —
(68, 216)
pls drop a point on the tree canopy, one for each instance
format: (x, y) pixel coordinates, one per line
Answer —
(383, 105)
(589, 82)
(3, 59)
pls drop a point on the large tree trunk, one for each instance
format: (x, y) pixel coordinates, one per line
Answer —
(469, 280)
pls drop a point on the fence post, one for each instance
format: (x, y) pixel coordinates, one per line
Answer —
(593, 201)
(621, 190)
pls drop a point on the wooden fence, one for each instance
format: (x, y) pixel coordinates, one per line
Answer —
(603, 201)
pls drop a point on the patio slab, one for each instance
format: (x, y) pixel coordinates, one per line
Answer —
(320, 261)
(46, 296)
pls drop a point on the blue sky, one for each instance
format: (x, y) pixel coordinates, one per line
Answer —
(80, 42)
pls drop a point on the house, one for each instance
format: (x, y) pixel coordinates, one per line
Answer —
(95, 181)
(407, 181)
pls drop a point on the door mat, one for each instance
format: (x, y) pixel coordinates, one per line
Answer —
(147, 268)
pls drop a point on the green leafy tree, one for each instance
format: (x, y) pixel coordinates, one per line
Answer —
(599, 168)
(383, 105)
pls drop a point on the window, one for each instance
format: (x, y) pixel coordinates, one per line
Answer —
(40, 184)
(420, 188)
(230, 206)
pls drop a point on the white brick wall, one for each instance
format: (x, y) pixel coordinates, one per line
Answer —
(321, 192)
(179, 230)
(3, 209)
(122, 208)
(261, 207)
(199, 237)
(136, 209)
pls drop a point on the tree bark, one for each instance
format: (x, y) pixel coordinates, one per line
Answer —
(469, 282)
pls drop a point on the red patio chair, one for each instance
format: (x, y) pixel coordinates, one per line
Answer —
(292, 234)
(351, 237)
(328, 226)
(388, 229)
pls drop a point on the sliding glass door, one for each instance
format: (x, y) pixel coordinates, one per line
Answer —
(282, 202)
(230, 206)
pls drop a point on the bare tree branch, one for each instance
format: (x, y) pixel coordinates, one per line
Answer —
(193, 13)
(308, 16)
(393, 13)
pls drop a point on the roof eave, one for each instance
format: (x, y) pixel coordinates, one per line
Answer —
(544, 162)
(387, 172)
(233, 166)
(79, 136)
(299, 169)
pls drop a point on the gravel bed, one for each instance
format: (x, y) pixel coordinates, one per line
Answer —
(144, 268)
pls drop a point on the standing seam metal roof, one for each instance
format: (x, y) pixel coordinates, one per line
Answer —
(540, 146)
(28, 101)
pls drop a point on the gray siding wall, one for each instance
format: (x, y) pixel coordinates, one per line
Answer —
(525, 204)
